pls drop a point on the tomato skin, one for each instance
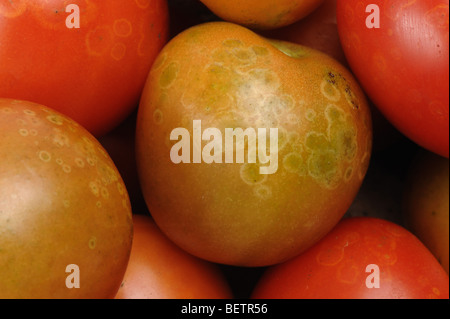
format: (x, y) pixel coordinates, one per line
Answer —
(62, 202)
(335, 268)
(404, 65)
(93, 74)
(318, 30)
(228, 212)
(158, 269)
(262, 14)
(426, 203)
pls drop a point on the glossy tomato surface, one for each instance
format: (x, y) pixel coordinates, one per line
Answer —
(404, 64)
(237, 211)
(94, 73)
(62, 203)
(158, 269)
(426, 203)
(361, 258)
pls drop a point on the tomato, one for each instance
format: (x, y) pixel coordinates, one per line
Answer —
(249, 207)
(62, 203)
(262, 14)
(426, 203)
(95, 73)
(158, 269)
(318, 30)
(403, 65)
(361, 258)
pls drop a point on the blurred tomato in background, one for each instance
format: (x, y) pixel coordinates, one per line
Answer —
(426, 203)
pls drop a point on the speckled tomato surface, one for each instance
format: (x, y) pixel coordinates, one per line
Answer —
(93, 73)
(62, 202)
(361, 258)
(231, 211)
(402, 65)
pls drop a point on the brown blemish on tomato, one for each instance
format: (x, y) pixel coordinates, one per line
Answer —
(122, 28)
(158, 117)
(160, 60)
(260, 51)
(250, 174)
(329, 90)
(55, 119)
(92, 242)
(169, 75)
(118, 51)
(99, 40)
(294, 163)
(263, 191)
(45, 156)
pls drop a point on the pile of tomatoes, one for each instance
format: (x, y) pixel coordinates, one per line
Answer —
(212, 149)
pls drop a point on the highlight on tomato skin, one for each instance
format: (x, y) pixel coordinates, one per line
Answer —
(402, 63)
(93, 73)
(361, 258)
(158, 269)
(65, 214)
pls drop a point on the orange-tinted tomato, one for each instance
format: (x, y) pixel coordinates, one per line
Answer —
(94, 73)
(262, 14)
(361, 258)
(216, 201)
(158, 269)
(65, 215)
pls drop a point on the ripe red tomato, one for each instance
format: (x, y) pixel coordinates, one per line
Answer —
(343, 265)
(404, 64)
(94, 73)
(158, 269)
(62, 203)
